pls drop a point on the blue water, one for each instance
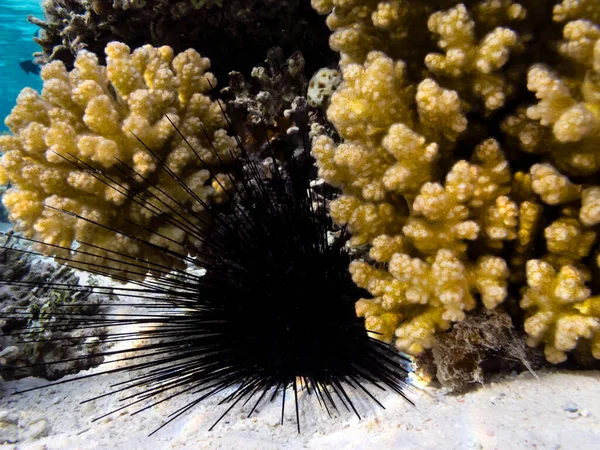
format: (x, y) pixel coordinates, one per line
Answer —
(16, 45)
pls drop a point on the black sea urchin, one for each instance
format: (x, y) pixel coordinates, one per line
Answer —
(272, 313)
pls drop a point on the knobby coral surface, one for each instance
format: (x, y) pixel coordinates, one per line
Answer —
(468, 163)
(99, 146)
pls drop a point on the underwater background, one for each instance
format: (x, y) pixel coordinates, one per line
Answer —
(440, 159)
(17, 46)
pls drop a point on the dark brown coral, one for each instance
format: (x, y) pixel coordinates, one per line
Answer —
(234, 35)
(262, 101)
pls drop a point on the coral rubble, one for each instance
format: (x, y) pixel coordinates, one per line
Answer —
(31, 298)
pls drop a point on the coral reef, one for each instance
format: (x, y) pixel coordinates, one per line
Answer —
(469, 163)
(234, 34)
(76, 158)
(466, 147)
(31, 299)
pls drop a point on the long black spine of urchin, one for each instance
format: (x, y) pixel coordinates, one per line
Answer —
(273, 312)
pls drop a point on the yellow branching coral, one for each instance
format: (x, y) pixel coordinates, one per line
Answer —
(561, 310)
(429, 91)
(440, 219)
(365, 220)
(443, 215)
(413, 299)
(93, 118)
(360, 26)
(552, 187)
(577, 9)
(566, 120)
(464, 57)
(475, 37)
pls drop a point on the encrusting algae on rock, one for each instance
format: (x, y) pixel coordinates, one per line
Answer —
(469, 129)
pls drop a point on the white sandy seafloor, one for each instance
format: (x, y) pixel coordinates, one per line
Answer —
(556, 410)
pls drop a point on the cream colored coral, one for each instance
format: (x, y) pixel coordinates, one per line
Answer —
(557, 312)
(4, 179)
(383, 154)
(362, 108)
(463, 56)
(553, 187)
(440, 220)
(492, 13)
(414, 299)
(500, 220)
(417, 335)
(442, 216)
(444, 62)
(403, 290)
(530, 214)
(580, 39)
(75, 152)
(577, 9)
(322, 6)
(491, 274)
(414, 159)
(360, 26)
(589, 214)
(388, 147)
(571, 121)
(565, 122)
(365, 220)
(567, 238)
(440, 111)
(385, 246)
(493, 173)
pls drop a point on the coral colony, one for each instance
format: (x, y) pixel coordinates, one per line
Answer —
(468, 164)
(443, 183)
